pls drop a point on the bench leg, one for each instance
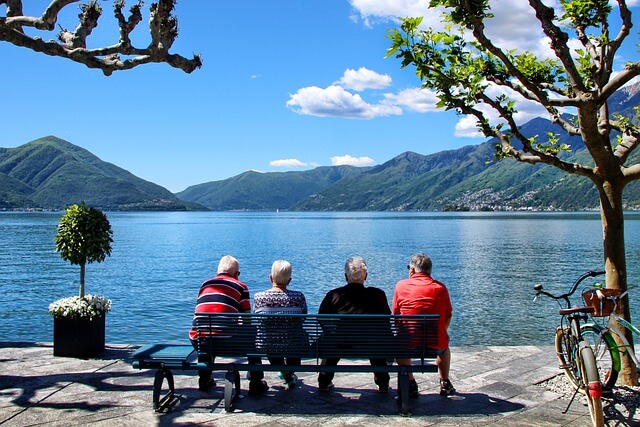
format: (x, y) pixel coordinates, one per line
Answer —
(231, 382)
(403, 392)
(161, 374)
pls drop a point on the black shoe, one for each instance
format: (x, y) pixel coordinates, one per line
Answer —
(325, 388)
(446, 388)
(206, 383)
(258, 387)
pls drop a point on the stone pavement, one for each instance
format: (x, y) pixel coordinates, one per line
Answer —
(496, 386)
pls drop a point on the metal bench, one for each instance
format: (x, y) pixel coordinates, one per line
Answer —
(311, 337)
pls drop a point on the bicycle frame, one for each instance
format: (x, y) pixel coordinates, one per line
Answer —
(625, 347)
(575, 354)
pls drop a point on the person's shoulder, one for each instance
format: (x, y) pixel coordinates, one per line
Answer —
(339, 289)
(296, 294)
(374, 290)
(404, 282)
(439, 283)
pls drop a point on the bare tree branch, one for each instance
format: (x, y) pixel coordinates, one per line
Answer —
(72, 45)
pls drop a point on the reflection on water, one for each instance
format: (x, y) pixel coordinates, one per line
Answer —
(490, 262)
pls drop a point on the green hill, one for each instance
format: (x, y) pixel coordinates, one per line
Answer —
(51, 173)
(257, 191)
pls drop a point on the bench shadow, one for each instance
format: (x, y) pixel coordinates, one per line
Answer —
(307, 400)
(29, 391)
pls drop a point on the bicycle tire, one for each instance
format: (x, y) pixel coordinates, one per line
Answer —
(592, 385)
(567, 352)
(605, 351)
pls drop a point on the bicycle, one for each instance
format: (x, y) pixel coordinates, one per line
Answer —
(602, 337)
(575, 354)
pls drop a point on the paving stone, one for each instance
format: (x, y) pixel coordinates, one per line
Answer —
(496, 387)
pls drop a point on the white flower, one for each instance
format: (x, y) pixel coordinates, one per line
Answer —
(73, 307)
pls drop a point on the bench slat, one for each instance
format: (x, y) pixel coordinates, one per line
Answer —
(227, 339)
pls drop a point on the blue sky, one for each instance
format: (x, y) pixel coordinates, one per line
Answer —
(286, 85)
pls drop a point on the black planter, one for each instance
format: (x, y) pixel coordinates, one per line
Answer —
(79, 337)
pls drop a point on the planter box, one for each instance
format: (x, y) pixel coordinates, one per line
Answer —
(79, 337)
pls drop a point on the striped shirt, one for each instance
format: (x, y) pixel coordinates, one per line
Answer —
(221, 294)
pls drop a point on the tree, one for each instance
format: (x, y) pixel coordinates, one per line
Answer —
(72, 44)
(474, 76)
(84, 236)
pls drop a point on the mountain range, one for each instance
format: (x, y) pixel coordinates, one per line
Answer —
(50, 173)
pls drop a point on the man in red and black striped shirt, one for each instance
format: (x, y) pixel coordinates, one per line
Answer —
(225, 293)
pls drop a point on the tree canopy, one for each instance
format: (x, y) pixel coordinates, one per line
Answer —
(572, 82)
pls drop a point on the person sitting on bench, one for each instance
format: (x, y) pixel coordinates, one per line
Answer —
(354, 298)
(225, 293)
(284, 333)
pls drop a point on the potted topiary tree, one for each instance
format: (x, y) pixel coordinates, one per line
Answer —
(84, 236)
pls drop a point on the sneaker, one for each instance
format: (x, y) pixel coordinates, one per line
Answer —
(289, 379)
(324, 388)
(446, 388)
(258, 387)
(206, 383)
(413, 390)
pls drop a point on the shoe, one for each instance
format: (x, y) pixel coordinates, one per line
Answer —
(206, 383)
(324, 388)
(258, 387)
(413, 390)
(289, 379)
(446, 388)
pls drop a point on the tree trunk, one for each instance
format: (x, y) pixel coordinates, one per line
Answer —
(82, 267)
(615, 264)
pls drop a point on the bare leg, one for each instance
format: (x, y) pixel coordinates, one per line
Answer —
(405, 362)
(444, 362)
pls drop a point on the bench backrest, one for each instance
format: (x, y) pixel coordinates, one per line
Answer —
(317, 335)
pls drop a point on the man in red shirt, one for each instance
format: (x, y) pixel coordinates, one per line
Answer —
(225, 293)
(421, 294)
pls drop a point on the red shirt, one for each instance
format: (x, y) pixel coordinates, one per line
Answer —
(421, 294)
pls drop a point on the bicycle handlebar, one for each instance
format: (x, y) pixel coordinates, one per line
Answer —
(565, 296)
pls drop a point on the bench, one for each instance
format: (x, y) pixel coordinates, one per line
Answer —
(312, 337)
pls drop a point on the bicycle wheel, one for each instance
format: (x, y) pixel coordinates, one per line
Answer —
(605, 351)
(567, 351)
(592, 384)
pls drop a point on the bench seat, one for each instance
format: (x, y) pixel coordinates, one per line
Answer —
(311, 337)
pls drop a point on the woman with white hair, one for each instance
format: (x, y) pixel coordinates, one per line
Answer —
(281, 300)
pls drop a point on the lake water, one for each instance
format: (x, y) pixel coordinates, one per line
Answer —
(489, 261)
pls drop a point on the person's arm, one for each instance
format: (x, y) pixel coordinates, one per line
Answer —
(326, 306)
(395, 306)
(383, 303)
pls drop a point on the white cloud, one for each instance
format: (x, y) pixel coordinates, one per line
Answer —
(415, 99)
(351, 161)
(374, 11)
(287, 163)
(363, 78)
(334, 101)
(510, 29)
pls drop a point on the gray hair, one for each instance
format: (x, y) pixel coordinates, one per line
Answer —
(228, 265)
(281, 272)
(421, 263)
(355, 270)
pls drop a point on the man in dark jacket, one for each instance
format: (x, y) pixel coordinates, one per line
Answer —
(354, 298)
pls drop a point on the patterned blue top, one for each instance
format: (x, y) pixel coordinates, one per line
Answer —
(287, 302)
